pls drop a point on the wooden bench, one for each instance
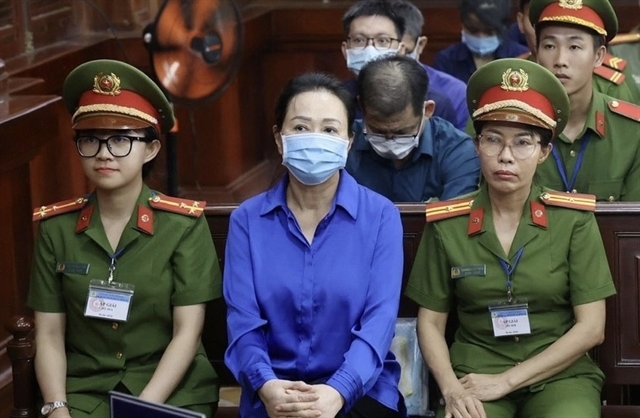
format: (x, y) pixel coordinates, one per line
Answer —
(619, 355)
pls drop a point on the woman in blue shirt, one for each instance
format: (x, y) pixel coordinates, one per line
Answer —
(313, 272)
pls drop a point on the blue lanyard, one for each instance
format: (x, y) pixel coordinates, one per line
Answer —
(112, 266)
(509, 269)
(568, 185)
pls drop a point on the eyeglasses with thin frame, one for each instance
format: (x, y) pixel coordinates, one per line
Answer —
(379, 42)
(118, 145)
(521, 148)
(397, 138)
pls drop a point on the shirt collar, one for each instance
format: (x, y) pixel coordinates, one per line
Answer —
(346, 196)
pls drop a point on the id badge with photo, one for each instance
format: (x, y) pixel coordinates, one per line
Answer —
(109, 300)
(510, 319)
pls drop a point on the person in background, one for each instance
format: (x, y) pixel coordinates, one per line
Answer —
(484, 23)
(312, 274)
(400, 149)
(439, 82)
(524, 267)
(598, 152)
(612, 77)
(374, 29)
(120, 277)
(627, 46)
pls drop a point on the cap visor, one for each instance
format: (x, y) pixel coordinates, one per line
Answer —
(109, 121)
(513, 116)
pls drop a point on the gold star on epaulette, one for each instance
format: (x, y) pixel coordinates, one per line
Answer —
(58, 208)
(177, 205)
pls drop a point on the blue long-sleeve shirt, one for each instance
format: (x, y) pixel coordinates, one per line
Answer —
(455, 90)
(443, 166)
(323, 312)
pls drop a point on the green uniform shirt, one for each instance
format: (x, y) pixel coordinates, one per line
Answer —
(562, 265)
(175, 265)
(611, 162)
(631, 52)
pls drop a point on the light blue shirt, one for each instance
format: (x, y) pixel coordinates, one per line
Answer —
(323, 312)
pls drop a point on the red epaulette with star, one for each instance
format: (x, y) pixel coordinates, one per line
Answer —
(614, 62)
(448, 209)
(626, 109)
(569, 200)
(609, 74)
(58, 208)
(179, 205)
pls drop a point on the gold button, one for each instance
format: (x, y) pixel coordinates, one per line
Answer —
(114, 325)
(572, 153)
(615, 104)
(516, 339)
(612, 199)
(517, 363)
(573, 191)
(119, 355)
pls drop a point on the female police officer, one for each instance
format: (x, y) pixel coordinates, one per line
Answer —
(523, 267)
(120, 277)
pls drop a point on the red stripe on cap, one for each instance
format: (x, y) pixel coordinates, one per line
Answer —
(530, 97)
(555, 12)
(126, 98)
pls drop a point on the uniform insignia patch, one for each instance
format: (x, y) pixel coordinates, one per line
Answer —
(614, 62)
(191, 208)
(58, 208)
(616, 77)
(569, 200)
(447, 209)
(625, 109)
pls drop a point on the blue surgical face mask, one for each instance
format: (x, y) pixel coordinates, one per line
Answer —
(480, 45)
(313, 157)
(357, 58)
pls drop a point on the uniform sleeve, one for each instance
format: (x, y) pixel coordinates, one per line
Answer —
(589, 274)
(631, 192)
(247, 353)
(429, 283)
(196, 267)
(371, 338)
(459, 165)
(45, 287)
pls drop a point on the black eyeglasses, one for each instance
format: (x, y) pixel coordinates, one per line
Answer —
(118, 145)
(521, 148)
(379, 42)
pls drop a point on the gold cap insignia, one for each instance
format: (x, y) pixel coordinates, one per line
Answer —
(571, 4)
(107, 84)
(515, 80)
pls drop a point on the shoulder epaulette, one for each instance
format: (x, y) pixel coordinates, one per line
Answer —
(448, 209)
(625, 38)
(614, 62)
(626, 109)
(58, 208)
(192, 208)
(609, 74)
(569, 200)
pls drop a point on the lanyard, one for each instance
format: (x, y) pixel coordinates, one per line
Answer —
(568, 185)
(509, 269)
(112, 266)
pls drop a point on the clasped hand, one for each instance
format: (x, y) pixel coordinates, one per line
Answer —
(466, 400)
(287, 399)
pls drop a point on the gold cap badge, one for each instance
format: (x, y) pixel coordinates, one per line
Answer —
(515, 80)
(571, 4)
(107, 84)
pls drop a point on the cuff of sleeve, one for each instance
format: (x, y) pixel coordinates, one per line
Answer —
(348, 385)
(260, 376)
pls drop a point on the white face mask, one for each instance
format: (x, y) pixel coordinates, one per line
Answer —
(357, 58)
(397, 147)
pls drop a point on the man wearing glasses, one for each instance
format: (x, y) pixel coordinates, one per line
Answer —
(400, 150)
(374, 29)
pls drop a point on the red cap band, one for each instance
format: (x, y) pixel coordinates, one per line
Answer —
(584, 16)
(530, 97)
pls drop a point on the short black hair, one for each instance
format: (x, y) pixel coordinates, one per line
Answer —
(314, 82)
(387, 85)
(495, 14)
(365, 8)
(598, 40)
(413, 19)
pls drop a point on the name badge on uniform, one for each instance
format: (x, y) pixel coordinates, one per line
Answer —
(472, 270)
(72, 268)
(510, 319)
(109, 300)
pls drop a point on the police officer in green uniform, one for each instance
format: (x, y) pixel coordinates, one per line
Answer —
(598, 152)
(120, 277)
(523, 266)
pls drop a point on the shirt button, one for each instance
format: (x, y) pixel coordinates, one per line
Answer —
(574, 191)
(516, 339)
(114, 325)
(612, 199)
(517, 363)
(572, 153)
(119, 355)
